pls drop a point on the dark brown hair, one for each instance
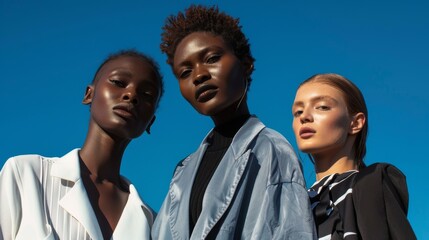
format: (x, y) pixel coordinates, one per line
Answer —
(198, 18)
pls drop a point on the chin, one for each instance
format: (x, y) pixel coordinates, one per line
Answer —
(305, 148)
(207, 111)
(213, 107)
(129, 134)
(204, 112)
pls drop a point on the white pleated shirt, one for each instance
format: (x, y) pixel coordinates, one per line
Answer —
(44, 198)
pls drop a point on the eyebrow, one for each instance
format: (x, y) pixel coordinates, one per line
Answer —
(324, 97)
(121, 71)
(127, 73)
(201, 54)
(315, 99)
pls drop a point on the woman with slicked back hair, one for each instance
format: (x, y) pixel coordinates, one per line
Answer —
(349, 199)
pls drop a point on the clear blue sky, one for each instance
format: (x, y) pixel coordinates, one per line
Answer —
(49, 51)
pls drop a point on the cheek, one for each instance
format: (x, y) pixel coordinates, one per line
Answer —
(185, 90)
(147, 108)
(107, 95)
(295, 126)
(342, 122)
(100, 98)
(231, 72)
(334, 125)
(235, 87)
(236, 77)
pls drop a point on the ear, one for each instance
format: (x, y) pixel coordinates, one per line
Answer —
(150, 124)
(357, 123)
(89, 94)
(249, 70)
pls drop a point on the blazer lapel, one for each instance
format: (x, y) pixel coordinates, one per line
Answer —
(136, 219)
(76, 201)
(77, 204)
(223, 185)
(220, 192)
(180, 191)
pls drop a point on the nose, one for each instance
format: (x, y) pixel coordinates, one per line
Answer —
(130, 95)
(306, 116)
(201, 74)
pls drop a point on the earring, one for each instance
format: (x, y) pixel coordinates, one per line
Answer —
(244, 94)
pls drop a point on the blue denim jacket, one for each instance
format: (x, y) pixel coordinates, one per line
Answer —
(258, 191)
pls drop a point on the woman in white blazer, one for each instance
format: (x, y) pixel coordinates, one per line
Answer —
(244, 180)
(82, 195)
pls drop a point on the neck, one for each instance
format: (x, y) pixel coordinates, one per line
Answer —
(230, 113)
(325, 167)
(102, 154)
(335, 161)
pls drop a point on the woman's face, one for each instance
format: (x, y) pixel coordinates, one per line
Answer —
(124, 97)
(321, 122)
(211, 77)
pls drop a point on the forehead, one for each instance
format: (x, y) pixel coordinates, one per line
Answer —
(197, 42)
(133, 68)
(316, 90)
(132, 65)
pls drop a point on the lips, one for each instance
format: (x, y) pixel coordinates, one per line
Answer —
(306, 132)
(205, 92)
(125, 110)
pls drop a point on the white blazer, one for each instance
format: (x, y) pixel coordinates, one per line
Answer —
(44, 198)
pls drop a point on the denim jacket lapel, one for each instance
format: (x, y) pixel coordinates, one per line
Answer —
(220, 193)
(180, 192)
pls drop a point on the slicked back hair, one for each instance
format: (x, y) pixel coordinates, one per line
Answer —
(355, 103)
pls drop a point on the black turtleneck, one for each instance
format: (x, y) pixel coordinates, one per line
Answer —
(219, 141)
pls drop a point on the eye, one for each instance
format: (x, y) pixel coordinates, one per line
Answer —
(185, 73)
(213, 58)
(323, 107)
(118, 83)
(297, 113)
(150, 96)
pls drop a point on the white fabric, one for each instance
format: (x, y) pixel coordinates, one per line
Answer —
(44, 198)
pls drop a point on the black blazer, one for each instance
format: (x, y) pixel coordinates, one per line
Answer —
(380, 196)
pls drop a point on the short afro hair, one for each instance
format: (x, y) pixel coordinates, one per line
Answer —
(143, 57)
(198, 18)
